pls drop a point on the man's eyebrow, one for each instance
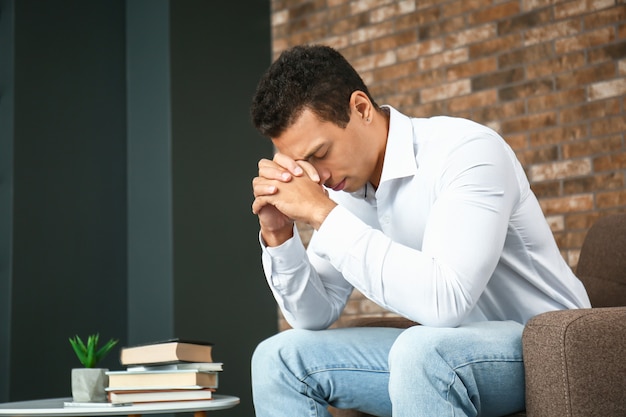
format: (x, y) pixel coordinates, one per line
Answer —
(312, 152)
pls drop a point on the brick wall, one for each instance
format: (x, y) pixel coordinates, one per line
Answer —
(549, 75)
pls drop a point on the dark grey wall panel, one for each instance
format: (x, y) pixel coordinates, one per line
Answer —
(6, 188)
(219, 50)
(150, 246)
(69, 247)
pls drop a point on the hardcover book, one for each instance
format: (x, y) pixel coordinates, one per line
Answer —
(143, 380)
(167, 351)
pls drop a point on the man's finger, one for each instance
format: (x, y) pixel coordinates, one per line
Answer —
(289, 164)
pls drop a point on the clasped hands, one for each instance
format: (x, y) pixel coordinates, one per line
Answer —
(285, 191)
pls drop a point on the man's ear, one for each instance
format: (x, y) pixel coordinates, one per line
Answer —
(361, 104)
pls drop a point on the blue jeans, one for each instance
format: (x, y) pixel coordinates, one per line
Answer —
(472, 370)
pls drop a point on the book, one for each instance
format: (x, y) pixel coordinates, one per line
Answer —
(93, 404)
(144, 396)
(167, 351)
(181, 378)
(200, 366)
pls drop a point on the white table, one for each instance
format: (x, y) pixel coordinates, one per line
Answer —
(55, 407)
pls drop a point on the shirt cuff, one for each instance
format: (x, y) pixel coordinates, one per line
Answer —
(287, 256)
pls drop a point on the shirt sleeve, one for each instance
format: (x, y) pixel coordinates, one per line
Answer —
(310, 292)
(439, 284)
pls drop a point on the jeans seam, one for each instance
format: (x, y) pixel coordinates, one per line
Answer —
(341, 368)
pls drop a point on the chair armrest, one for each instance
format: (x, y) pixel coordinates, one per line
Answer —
(575, 364)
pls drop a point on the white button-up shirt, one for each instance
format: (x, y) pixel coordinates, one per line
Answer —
(453, 234)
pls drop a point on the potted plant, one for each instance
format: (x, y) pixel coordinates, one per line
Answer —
(89, 383)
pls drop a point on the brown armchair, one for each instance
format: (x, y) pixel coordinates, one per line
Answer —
(575, 360)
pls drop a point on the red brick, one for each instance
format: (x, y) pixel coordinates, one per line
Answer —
(370, 32)
(611, 199)
(590, 111)
(584, 40)
(592, 147)
(555, 65)
(462, 6)
(550, 189)
(445, 58)
(497, 79)
(395, 71)
(419, 49)
(524, 21)
(529, 157)
(530, 122)
(527, 55)
(573, 203)
(436, 108)
(581, 221)
(417, 19)
(552, 31)
(502, 112)
(604, 89)
(499, 11)
(393, 10)
(445, 91)
(578, 7)
(414, 82)
(496, 45)
(600, 182)
(517, 141)
(614, 161)
(472, 101)
(557, 99)
(394, 41)
(472, 68)
(560, 170)
(442, 28)
(527, 89)
(605, 17)
(471, 35)
(609, 125)
(558, 134)
(556, 223)
(586, 75)
(613, 51)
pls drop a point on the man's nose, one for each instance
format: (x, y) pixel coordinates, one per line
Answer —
(323, 173)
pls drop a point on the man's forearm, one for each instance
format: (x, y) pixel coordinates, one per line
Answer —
(276, 237)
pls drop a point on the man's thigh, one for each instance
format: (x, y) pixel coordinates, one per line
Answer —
(345, 368)
(475, 369)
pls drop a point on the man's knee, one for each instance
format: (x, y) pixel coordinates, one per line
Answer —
(416, 346)
(279, 350)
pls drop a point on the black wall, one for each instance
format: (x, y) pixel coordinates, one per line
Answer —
(126, 155)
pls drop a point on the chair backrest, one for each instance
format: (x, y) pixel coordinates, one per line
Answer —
(602, 262)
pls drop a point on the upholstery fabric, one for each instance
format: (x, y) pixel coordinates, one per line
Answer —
(575, 363)
(602, 262)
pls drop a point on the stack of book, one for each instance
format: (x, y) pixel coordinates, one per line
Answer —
(170, 370)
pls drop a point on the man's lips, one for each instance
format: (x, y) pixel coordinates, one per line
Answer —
(340, 186)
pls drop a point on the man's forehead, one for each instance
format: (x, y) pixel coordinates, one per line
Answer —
(298, 150)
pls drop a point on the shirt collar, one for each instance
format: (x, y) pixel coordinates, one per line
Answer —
(400, 153)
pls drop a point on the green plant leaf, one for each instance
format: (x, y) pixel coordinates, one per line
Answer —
(104, 350)
(79, 349)
(89, 355)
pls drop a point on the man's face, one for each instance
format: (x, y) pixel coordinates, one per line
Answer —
(343, 158)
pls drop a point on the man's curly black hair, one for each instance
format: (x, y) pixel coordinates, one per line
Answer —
(314, 77)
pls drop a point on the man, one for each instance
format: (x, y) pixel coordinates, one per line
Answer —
(432, 219)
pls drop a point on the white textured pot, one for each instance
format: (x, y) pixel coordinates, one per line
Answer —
(88, 385)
